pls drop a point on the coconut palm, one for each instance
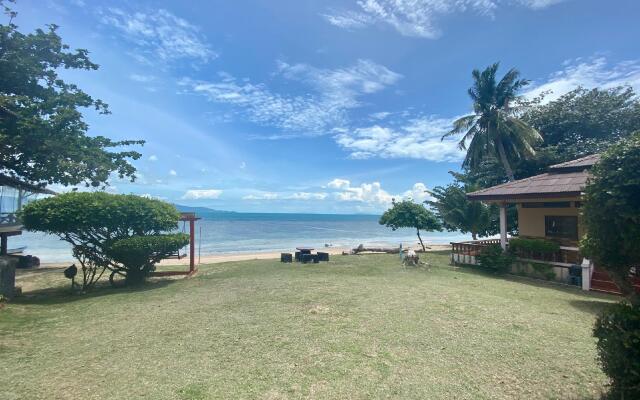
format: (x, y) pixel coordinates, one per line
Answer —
(494, 129)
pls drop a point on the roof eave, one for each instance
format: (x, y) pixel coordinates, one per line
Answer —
(521, 196)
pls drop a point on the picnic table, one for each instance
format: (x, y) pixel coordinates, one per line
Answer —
(305, 250)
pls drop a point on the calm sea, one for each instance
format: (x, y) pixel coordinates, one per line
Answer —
(218, 233)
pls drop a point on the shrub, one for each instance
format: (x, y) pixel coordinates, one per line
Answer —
(618, 333)
(93, 222)
(517, 245)
(611, 213)
(139, 254)
(494, 258)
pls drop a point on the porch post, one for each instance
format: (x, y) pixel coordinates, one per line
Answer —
(503, 226)
(192, 245)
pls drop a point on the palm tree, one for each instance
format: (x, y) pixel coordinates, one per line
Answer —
(494, 129)
(458, 213)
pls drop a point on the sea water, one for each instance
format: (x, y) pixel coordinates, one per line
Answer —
(223, 233)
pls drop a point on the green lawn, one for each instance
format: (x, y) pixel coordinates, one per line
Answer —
(359, 327)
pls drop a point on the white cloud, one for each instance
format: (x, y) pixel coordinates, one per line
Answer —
(201, 194)
(418, 193)
(286, 196)
(373, 194)
(173, 172)
(339, 184)
(335, 91)
(307, 196)
(159, 34)
(418, 138)
(243, 165)
(262, 196)
(418, 18)
(153, 157)
(142, 78)
(589, 73)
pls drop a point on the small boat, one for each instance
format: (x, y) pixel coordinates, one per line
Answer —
(17, 250)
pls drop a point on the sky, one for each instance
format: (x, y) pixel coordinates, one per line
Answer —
(318, 106)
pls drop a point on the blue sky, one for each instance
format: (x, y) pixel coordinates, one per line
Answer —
(319, 106)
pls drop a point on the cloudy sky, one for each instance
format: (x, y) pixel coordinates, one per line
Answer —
(319, 106)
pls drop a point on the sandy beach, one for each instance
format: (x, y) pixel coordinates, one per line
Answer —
(267, 255)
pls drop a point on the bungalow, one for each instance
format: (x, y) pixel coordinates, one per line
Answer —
(548, 207)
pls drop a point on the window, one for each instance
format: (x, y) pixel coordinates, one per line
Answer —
(561, 227)
(552, 204)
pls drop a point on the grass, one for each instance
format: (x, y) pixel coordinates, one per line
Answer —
(359, 327)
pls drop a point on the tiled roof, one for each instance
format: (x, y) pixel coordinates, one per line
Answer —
(583, 162)
(545, 185)
(567, 179)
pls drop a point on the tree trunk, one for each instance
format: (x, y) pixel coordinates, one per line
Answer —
(505, 161)
(420, 239)
(474, 235)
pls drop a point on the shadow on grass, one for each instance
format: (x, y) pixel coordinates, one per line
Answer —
(60, 294)
(596, 297)
(595, 307)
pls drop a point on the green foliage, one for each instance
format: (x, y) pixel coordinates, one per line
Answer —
(94, 222)
(43, 136)
(494, 258)
(407, 214)
(518, 245)
(495, 129)
(458, 213)
(580, 123)
(138, 254)
(611, 212)
(618, 334)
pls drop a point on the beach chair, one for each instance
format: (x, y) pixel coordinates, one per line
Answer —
(286, 257)
(323, 256)
(307, 258)
(297, 256)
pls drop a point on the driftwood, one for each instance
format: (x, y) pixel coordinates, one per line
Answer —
(388, 250)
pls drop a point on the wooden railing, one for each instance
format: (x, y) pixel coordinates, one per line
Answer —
(465, 252)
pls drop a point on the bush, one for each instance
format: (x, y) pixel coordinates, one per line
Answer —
(94, 222)
(618, 333)
(139, 254)
(544, 246)
(611, 213)
(494, 258)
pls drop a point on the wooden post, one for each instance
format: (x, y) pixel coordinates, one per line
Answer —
(3, 247)
(192, 245)
(503, 226)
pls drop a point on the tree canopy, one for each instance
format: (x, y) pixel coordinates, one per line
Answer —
(494, 129)
(458, 213)
(407, 214)
(43, 136)
(101, 227)
(611, 212)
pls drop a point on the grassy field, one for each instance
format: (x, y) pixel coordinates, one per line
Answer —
(359, 327)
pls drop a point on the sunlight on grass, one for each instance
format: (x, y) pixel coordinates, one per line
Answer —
(357, 327)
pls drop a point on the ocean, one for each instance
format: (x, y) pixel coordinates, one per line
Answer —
(223, 233)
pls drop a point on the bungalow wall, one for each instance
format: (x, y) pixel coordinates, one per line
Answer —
(532, 216)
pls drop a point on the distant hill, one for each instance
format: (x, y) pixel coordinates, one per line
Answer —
(196, 210)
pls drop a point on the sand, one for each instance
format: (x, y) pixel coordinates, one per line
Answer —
(226, 257)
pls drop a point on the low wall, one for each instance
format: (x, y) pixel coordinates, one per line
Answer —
(538, 270)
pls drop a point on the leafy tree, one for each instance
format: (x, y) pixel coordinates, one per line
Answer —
(611, 213)
(43, 136)
(458, 213)
(119, 233)
(580, 123)
(407, 214)
(494, 129)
